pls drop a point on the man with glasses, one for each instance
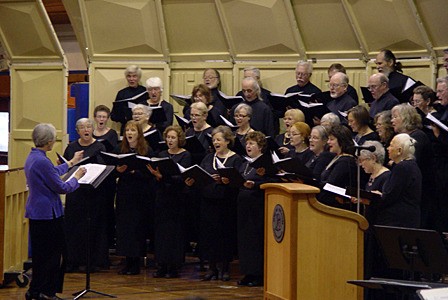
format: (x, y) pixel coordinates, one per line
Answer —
(304, 71)
(341, 100)
(378, 85)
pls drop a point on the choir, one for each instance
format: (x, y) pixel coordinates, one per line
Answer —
(404, 163)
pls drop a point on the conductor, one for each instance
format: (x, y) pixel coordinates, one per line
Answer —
(45, 213)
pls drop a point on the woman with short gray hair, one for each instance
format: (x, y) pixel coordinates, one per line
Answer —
(76, 207)
(46, 214)
(401, 197)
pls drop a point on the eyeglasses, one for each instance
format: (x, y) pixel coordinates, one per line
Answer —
(209, 77)
(239, 116)
(314, 138)
(373, 86)
(195, 116)
(247, 91)
(335, 85)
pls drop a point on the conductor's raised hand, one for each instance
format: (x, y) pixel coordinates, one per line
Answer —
(80, 173)
(77, 157)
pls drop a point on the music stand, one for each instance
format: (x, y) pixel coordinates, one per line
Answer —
(408, 249)
(413, 250)
(89, 188)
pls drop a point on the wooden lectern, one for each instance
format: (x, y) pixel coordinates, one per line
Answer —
(311, 249)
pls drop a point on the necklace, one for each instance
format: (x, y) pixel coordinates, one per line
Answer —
(215, 157)
(246, 171)
(286, 139)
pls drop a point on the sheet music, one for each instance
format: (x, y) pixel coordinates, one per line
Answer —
(434, 294)
(309, 105)
(131, 105)
(436, 121)
(335, 189)
(409, 83)
(93, 171)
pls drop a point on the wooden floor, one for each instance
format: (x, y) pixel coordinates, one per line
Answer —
(144, 286)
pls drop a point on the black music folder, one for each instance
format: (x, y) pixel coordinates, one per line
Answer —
(314, 109)
(182, 100)
(437, 122)
(109, 147)
(236, 180)
(230, 101)
(238, 147)
(157, 115)
(366, 95)
(165, 164)
(183, 122)
(282, 102)
(193, 145)
(228, 123)
(200, 176)
(153, 137)
(292, 165)
(322, 97)
(128, 159)
(352, 191)
(263, 161)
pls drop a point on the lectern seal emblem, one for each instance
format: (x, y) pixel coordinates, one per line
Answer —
(278, 223)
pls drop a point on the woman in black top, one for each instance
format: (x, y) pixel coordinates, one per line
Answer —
(76, 208)
(291, 117)
(401, 197)
(359, 120)
(300, 139)
(321, 156)
(170, 207)
(242, 115)
(109, 138)
(251, 215)
(135, 193)
(341, 171)
(385, 130)
(218, 217)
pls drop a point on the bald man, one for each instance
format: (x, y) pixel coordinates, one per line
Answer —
(378, 85)
(341, 100)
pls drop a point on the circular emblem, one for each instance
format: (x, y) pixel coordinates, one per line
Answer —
(278, 223)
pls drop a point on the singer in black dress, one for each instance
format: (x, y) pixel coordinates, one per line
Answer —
(251, 215)
(218, 207)
(170, 207)
(135, 192)
(341, 171)
(76, 208)
(109, 138)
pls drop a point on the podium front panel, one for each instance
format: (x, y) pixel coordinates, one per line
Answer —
(321, 248)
